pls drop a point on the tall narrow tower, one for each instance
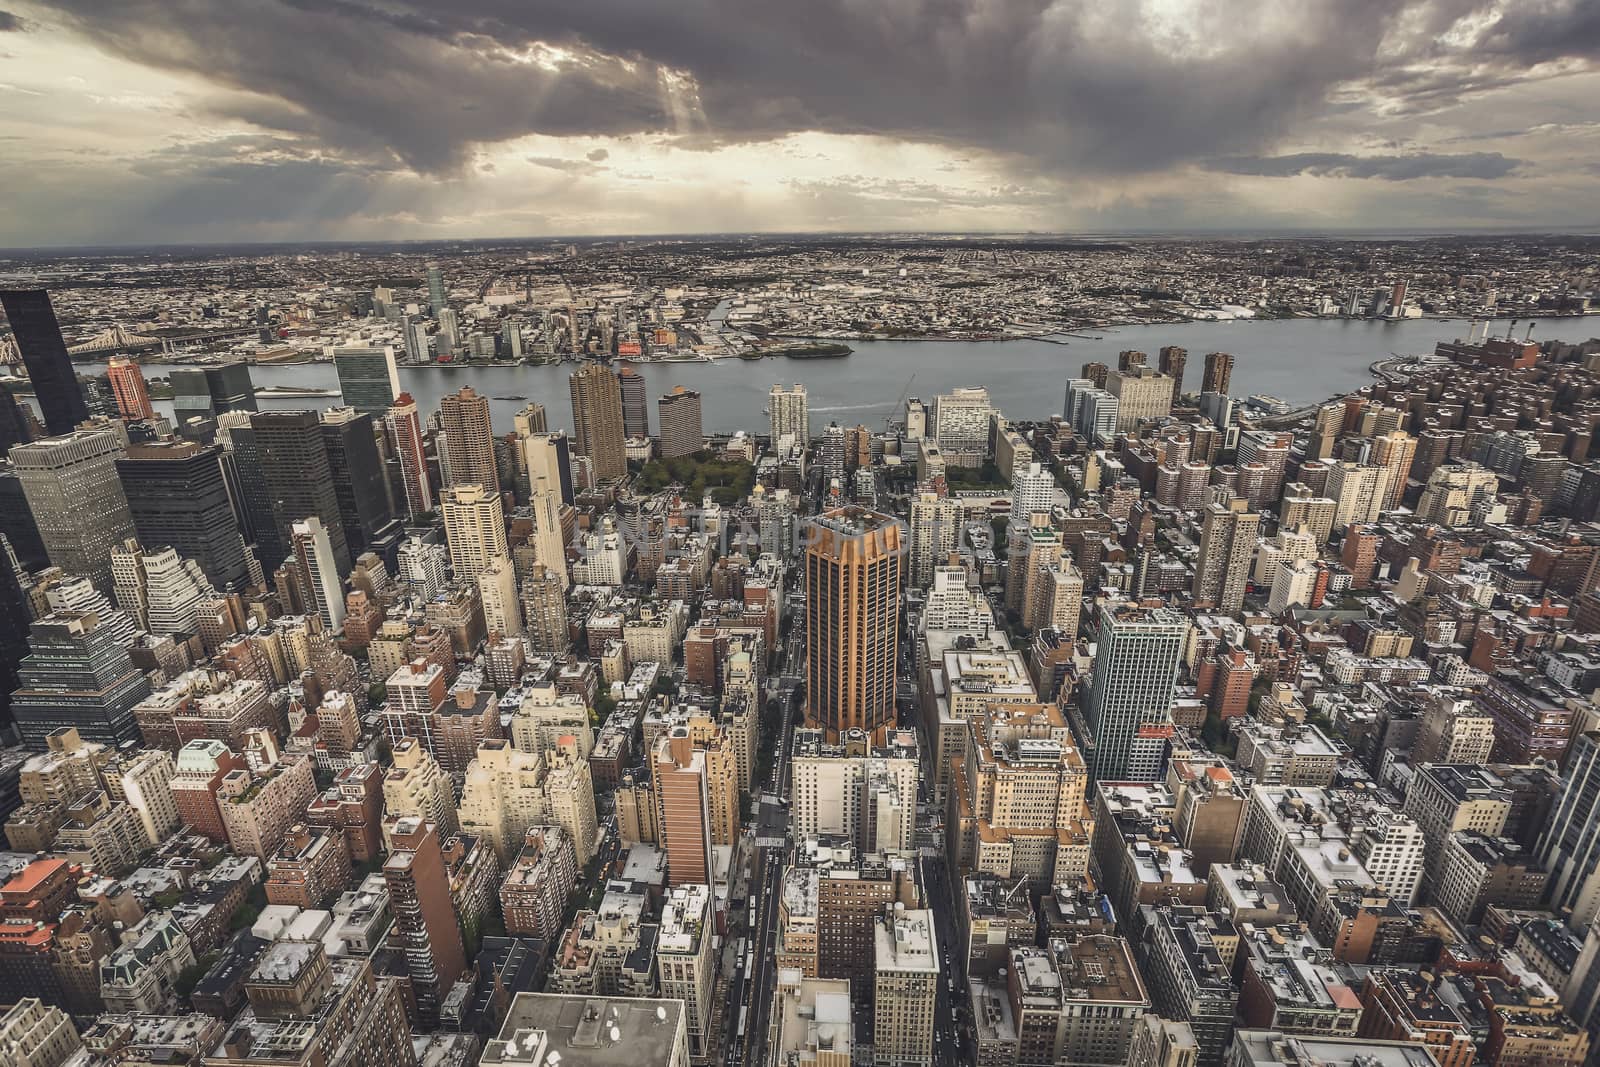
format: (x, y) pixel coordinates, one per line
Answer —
(854, 568)
(597, 417)
(44, 353)
(405, 430)
(469, 439)
(635, 405)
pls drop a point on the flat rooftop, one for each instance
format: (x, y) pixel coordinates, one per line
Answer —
(586, 1031)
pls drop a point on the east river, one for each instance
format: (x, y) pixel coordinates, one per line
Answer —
(1298, 360)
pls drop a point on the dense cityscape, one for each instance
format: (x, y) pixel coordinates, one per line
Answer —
(1183, 728)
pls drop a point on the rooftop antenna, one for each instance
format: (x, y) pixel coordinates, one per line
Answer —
(1530, 331)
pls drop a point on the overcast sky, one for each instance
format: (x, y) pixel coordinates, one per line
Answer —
(125, 121)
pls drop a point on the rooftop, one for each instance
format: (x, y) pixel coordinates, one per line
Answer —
(547, 1029)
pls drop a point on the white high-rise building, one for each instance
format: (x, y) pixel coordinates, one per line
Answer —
(935, 533)
(143, 781)
(1133, 679)
(790, 414)
(502, 609)
(474, 528)
(164, 590)
(905, 985)
(864, 792)
(313, 552)
(422, 566)
(684, 960)
(1358, 492)
(1033, 489)
(961, 420)
(1097, 420)
(1292, 586)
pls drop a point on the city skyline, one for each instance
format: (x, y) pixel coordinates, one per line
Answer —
(1411, 116)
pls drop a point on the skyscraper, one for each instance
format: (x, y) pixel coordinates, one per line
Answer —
(1132, 681)
(369, 381)
(1395, 451)
(178, 496)
(683, 801)
(961, 420)
(14, 423)
(530, 420)
(681, 433)
(127, 385)
(206, 392)
(319, 575)
(474, 528)
(419, 895)
(1218, 374)
(359, 482)
(789, 412)
(299, 481)
(77, 674)
(468, 439)
(1227, 543)
(436, 293)
(549, 463)
(1570, 847)
(1173, 361)
(77, 501)
(854, 575)
(597, 417)
(405, 430)
(635, 404)
(1141, 394)
(44, 353)
(13, 626)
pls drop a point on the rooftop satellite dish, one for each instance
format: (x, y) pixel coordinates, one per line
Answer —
(661, 1013)
(616, 1035)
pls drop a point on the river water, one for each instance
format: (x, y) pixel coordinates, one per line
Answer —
(1297, 360)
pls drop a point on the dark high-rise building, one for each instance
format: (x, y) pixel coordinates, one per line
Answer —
(33, 323)
(1218, 373)
(853, 566)
(419, 895)
(14, 428)
(358, 477)
(252, 500)
(77, 674)
(369, 381)
(597, 418)
(436, 292)
(16, 522)
(179, 497)
(298, 478)
(206, 392)
(1173, 360)
(13, 626)
(1095, 372)
(635, 408)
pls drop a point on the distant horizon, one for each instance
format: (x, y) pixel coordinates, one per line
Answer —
(1232, 235)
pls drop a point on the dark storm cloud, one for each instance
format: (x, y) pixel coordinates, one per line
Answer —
(1070, 85)
(10, 23)
(1395, 168)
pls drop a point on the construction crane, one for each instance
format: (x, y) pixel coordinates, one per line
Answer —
(888, 419)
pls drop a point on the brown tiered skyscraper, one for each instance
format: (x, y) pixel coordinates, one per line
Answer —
(1218, 373)
(597, 418)
(424, 918)
(1173, 360)
(854, 573)
(683, 807)
(469, 440)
